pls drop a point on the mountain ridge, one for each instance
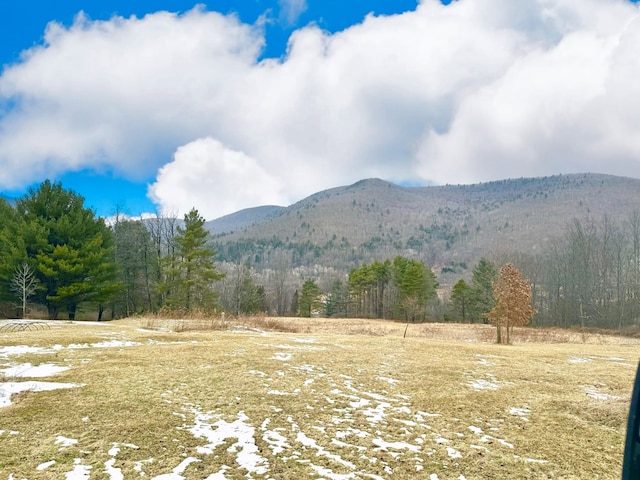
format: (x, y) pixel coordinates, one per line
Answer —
(445, 225)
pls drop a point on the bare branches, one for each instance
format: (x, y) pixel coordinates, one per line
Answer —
(24, 284)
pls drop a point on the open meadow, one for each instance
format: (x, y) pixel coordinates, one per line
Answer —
(310, 398)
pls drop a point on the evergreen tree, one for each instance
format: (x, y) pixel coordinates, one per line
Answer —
(416, 284)
(337, 299)
(70, 249)
(481, 298)
(459, 301)
(308, 302)
(512, 308)
(192, 272)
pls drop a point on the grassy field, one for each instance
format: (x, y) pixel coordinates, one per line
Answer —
(333, 399)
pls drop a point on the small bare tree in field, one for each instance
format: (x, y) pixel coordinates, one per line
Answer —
(512, 294)
(24, 284)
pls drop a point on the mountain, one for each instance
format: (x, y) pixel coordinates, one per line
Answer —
(243, 219)
(450, 227)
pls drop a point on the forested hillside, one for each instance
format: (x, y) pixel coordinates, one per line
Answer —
(449, 227)
(371, 249)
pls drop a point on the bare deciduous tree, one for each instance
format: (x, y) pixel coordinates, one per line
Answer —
(24, 284)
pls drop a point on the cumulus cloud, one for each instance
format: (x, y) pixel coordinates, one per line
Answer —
(473, 91)
(214, 179)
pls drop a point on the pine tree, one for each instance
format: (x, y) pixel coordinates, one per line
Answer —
(512, 294)
(308, 302)
(70, 249)
(190, 275)
(481, 298)
(415, 284)
(460, 301)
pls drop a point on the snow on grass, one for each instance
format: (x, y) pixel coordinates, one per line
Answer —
(9, 388)
(453, 453)
(218, 432)
(593, 393)
(385, 446)
(65, 442)
(45, 465)
(28, 370)
(79, 472)
(520, 412)
(282, 356)
(482, 384)
(16, 350)
(177, 472)
(105, 344)
(365, 422)
(579, 360)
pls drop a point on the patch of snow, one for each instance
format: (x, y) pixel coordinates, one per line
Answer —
(137, 466)
(277, 392)
(247, 457)
(9, 350)
(115, 344)
(114, 473)
(392, 381)
(219, 475)
(45, 465)
(284, 357)
(363, 402)
(533, 460)
(453, 453)
(520, 412)
(482, 384)
(65, 442)
(600, 396)
(311, 443)
(385, 446)
(578, 360)
(28, 370)
(177, 472)
(9, 388)
(79, 472)
(433, 476)
(304, 340)
(475, 430)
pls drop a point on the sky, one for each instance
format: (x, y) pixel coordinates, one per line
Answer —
(168, 105)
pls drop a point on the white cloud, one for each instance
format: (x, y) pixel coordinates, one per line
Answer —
(214, 179)
(473, 91)
(290, 10)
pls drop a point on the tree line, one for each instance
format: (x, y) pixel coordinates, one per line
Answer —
(55, 253)
(58, 256)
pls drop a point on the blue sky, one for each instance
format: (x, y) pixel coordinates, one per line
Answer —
(167, 105)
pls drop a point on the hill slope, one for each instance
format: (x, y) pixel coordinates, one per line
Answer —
(447, 226)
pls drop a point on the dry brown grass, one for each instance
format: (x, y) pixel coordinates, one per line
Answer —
(317, 381)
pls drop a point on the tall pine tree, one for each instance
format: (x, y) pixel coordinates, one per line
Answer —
(191, 274)
(69, 248)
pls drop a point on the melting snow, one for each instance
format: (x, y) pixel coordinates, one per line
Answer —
(578, 360)
(79, 472)
(45, 465)
(482, 384)
(9, 388)
(600, 396)
(247, 457)
(285, 357)
(28, 370)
